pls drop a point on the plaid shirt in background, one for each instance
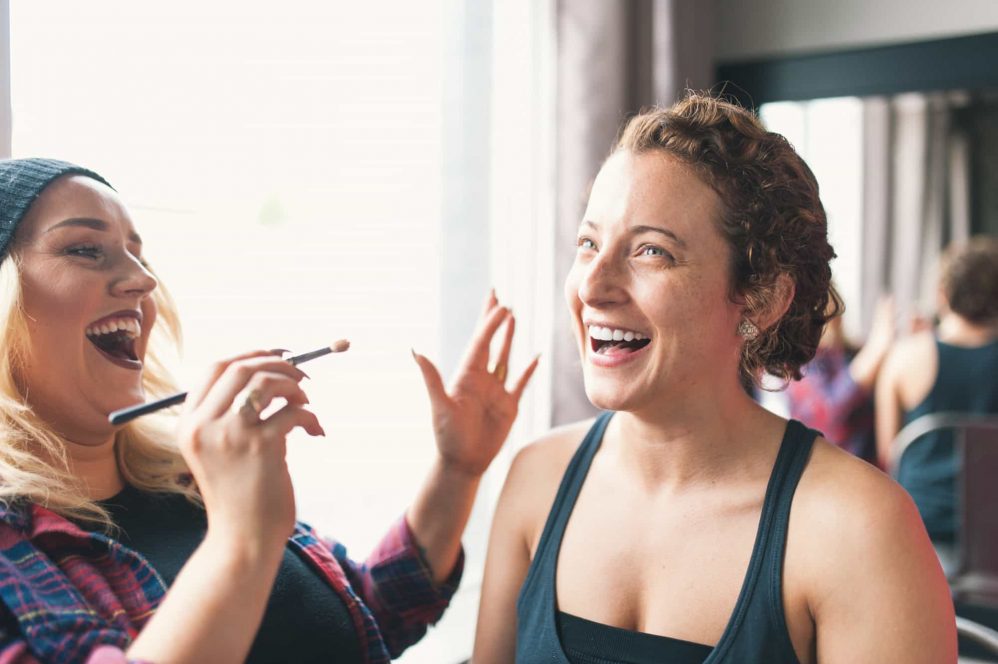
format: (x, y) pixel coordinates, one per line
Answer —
(829, 400)
(68, 595)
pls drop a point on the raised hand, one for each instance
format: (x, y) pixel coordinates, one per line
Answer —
(472, 417)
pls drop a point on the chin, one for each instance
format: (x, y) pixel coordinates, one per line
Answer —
(605, 397)
(124, 399)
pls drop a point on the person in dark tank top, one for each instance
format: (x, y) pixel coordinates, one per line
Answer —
(686, 523)
(953, 368)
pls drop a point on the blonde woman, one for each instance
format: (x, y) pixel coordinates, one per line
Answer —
(129, 543)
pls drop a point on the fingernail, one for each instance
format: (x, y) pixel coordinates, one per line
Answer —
(322, 432)
(278, 351)
(414, 356)
(303, 374)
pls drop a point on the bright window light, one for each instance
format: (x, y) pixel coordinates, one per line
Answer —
(282, 163)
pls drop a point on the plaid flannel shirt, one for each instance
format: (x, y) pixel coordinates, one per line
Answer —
(829, 400)
(72, 596)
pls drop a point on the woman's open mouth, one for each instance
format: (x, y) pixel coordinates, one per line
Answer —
(115, 339)
(613, 341)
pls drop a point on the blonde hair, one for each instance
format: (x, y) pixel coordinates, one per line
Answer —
(34, 467)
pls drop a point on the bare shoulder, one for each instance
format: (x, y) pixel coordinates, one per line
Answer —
(856, 540)
(536, 473)
(550, 453)
(844, 496)
(852, 522)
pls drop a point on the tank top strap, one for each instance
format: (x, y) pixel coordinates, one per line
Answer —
(757, 630)
(545, 560)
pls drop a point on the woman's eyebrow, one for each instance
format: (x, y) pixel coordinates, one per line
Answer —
(637, 230)
(89, 222)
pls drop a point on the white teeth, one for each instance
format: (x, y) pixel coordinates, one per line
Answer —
(129, 326)
(609, 334)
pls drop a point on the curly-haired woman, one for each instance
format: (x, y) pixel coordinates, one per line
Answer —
(686, 523)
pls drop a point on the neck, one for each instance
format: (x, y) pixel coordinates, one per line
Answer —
(957, 330)
(96, 466)
(699, 440)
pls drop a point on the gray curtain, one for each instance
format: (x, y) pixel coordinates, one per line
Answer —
(614, 57)
(916, 196)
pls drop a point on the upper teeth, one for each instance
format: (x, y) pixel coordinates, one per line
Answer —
(129, 326)
(611, 334)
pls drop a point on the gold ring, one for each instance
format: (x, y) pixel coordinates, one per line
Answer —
(251, 404)
(500, 373)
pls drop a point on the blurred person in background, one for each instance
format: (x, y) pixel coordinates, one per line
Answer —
(953, 368)
(835, 394)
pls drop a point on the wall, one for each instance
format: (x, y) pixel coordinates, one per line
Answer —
(750, 29)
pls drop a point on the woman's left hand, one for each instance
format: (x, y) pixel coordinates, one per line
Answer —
(472, 418)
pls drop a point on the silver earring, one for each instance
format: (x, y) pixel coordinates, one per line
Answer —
(748, 330)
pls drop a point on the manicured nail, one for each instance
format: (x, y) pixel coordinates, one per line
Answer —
(414, 355)
(278, 351)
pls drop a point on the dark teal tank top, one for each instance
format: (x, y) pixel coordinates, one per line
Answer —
(966, 382)
(756, 632)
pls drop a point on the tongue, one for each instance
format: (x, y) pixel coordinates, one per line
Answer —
(616, 348)
(116, 344)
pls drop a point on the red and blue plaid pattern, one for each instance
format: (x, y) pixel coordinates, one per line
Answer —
(72, 596)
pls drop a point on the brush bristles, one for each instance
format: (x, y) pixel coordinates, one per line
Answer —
(339, 346)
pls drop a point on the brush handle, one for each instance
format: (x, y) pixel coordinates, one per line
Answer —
(128, 414)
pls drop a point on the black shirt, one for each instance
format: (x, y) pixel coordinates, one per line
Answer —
(305, 620)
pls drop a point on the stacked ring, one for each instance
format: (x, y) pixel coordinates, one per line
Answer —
(251, 404)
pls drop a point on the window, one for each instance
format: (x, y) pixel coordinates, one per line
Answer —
(828, 134)
(314, 171)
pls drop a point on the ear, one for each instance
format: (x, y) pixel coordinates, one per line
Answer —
(781, 296)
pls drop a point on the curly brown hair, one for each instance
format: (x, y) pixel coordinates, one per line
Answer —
(969, 280)
(773, 220)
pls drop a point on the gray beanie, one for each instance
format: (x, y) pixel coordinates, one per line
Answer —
(21, 181)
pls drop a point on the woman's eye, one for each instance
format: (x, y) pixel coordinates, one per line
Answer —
(586, 243)
(85, 250)
(651, 250)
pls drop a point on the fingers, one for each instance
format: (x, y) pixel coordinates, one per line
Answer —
(502, 362)
(196, 396)
(478, 352)
(264, 387)
(287, 418)
(431, 377)
(237, 376)
(524, 379)
(491, 302)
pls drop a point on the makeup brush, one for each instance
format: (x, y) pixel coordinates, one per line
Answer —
(130, 413)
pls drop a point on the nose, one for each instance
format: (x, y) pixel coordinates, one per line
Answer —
(133, 278)
(603, 282)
